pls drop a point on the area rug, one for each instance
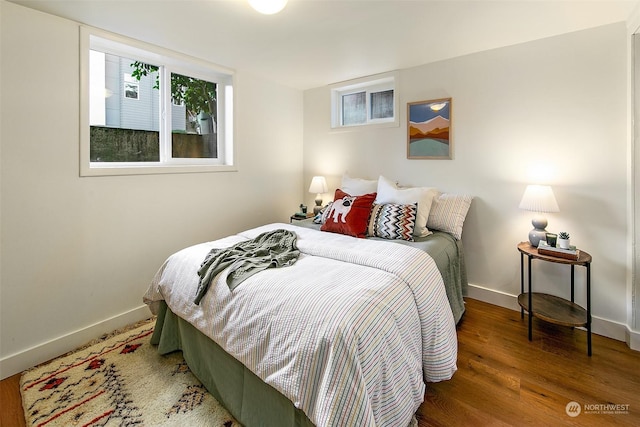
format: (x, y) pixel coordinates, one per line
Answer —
(120, 381)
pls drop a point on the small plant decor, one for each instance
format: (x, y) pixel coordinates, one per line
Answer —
(563, 240)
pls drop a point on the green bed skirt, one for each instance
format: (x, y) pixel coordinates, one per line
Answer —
(250, 400)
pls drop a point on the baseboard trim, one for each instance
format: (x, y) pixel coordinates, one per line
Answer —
(600, 326)
(494, 297)
(18, 362)
(632, 338)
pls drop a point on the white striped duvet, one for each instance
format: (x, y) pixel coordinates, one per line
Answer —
(349, 333)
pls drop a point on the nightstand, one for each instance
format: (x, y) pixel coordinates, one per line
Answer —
(295, 217)
(551, 308)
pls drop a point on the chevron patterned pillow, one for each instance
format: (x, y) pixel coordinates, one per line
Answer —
(393, 221)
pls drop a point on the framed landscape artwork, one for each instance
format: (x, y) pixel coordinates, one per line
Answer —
(428, 129)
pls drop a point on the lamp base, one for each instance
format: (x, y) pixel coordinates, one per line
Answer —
(539, 231)
(536, 235)
(318, 207)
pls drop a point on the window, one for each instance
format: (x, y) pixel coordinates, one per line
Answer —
(369, 101)
(354, 108)
(145, 109)
(131, 86)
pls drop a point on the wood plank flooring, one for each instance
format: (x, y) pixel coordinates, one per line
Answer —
(505, 380)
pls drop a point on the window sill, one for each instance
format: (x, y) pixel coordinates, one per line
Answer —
(365, 126)
(117, 170)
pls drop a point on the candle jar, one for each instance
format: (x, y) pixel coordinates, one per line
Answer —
(552, 238)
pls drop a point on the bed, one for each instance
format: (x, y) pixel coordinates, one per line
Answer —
(348, 335)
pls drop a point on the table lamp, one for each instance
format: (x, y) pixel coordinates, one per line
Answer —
(318, 186)
(538, 198)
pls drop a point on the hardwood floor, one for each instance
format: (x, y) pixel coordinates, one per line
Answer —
(11, 414)
(505, 380)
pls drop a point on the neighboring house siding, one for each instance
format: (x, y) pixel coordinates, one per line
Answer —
(112, 84)
(141, 113)
(178, 117)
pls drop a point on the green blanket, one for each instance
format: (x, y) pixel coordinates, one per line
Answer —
(272, 249)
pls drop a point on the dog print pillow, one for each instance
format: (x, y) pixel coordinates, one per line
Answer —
(349, 214)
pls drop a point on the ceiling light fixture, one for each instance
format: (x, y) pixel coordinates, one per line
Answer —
(268, 7)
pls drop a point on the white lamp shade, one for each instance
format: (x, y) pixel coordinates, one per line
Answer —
(318, 185)
(268, 7)
(539, 198)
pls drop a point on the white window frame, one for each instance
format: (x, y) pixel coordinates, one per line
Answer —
(369, 85)
(169, 62)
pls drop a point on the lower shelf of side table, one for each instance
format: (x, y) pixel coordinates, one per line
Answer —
(553, 309)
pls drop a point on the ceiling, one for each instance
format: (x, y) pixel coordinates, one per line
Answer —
(312, 43)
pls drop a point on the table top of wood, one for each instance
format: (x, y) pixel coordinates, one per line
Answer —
(525, 247)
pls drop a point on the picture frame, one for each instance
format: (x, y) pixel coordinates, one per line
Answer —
(429, 129)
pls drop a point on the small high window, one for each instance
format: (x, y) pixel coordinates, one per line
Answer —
(366, 101)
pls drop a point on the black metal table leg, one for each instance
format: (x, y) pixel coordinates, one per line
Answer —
(530, 306)
(572, 282)
(588, 265)
(521, 282)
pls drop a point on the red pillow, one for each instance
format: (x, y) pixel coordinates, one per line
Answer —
(349, 214)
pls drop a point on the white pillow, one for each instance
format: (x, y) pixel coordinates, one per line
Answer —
(448, 213)
(388, 192)
(358, 186)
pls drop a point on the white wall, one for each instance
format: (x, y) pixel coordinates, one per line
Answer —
(78, 253)
(550, 111)
(633, 291)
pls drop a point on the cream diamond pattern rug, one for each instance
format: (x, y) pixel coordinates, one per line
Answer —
(120, 381)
